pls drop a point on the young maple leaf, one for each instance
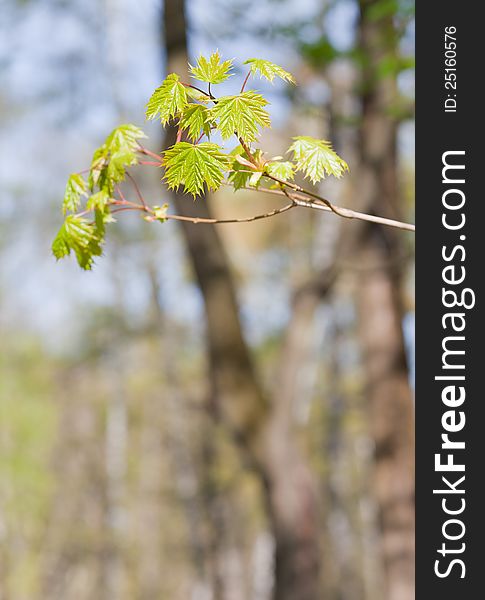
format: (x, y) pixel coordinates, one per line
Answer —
(124, 137)
(316, 158)
(111, 159)
(80, 236)
(212, 70)
(283, 170)
(195, 118)
(240, 170)
(195, 165)
(75, 188)
(268, 70)
(168, 100)
(241, 114)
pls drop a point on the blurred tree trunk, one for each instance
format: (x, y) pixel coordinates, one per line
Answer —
(263, 434)
(379, 294)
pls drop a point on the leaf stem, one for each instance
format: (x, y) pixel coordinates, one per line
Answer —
(194, 87)
(149, 163)
(137, 190)
(150, 153)
(245, 81)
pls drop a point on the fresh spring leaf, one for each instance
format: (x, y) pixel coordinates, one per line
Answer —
(240, 174)
(244, 175)
(255, 179)
(98, 201)
(80, 236)
(75, 188)
(269, 70)
(125, 138)
(241, 114)
(97, 171)
(316, 158)
(195, 118)
(118, 161)
(282, 170)
(212, 70)
(111, 159)
(168, 100)
(193, 165)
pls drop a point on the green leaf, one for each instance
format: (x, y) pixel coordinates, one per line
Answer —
(124, 137)
(194, 165)
(168, 100)
(75, 188)
(99, 163)
(118, 162)
(98, 201)
(282, 170)
(111, 159)
(269, 70)
(240, 174)
(255, 179)
(80, 236)
(195, 118)
(212, 70)
(316, 158)
(241, 114)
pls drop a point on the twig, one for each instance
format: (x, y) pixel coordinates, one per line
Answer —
(345, 212)
(124, 204)
(245, 81)
(298, 188)
(195, 220)
(137, 190)
(144, 150)
(149, 163)
(353, 214)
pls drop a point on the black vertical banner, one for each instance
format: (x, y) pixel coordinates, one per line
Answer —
(450, 258)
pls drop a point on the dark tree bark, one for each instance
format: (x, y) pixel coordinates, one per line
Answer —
(259, 426)
(379, 296)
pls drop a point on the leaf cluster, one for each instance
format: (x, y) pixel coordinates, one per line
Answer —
(108, 167)
(193, 164)
(201, 166)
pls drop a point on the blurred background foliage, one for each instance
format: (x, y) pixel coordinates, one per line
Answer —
(122, 476)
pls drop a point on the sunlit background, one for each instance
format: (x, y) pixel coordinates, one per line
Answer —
(118, 481)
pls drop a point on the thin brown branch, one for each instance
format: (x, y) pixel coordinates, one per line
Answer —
(120, 192)
(124, 204)
(149, 163)
(195, 220)
(353, 214)
(137, 189)
(298, 188)
(348, 213)
(245, 81)
(144, 150)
